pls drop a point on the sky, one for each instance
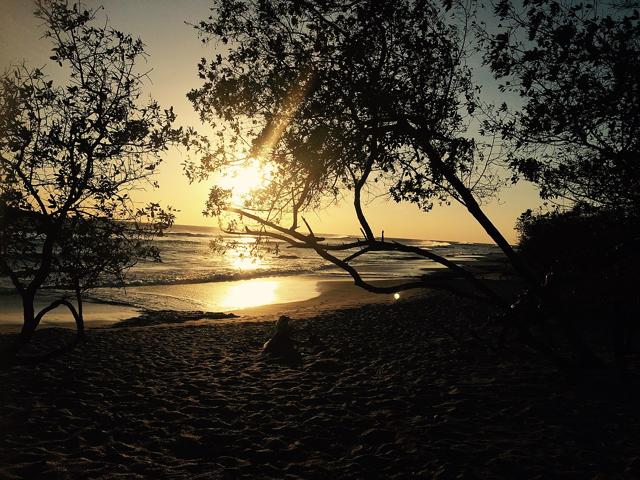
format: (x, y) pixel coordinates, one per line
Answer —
(174, 51)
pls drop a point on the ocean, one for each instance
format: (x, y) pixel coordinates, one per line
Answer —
(192, 276)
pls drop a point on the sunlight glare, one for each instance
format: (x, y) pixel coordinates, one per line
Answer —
(250, 294)
(241, 256)
(245, 263)
(243, 179)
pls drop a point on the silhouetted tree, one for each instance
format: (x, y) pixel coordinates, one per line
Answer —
(70, 154)
(577, 68)
(343, 96)
(99, 251)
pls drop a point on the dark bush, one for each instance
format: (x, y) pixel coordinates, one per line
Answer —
(585, 243)
(591, 260)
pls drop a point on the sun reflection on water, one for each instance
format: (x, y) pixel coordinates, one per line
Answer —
(246, 263)
(242, 255)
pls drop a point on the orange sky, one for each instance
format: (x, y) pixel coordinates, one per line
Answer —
(174, 52)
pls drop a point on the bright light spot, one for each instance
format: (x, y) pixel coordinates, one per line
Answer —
(241, 257)
(396, 296)
(245, 240)
(242, 179)
(247, 263)
(250, 294)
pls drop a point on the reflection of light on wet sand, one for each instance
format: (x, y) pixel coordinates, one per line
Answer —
(249, 294)
(227, 296)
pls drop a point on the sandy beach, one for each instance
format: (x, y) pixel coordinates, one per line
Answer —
(392, 390)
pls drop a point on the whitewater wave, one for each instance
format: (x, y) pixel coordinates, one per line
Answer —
(187, 234)
(219, 277)
(435, 243)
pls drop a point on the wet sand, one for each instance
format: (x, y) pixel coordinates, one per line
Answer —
(319, 295)
(332, 295)
(95, 314)
(399, 390)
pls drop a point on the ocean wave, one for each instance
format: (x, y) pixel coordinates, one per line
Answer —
(436, 243)
(330, 236)
(174, 241)
(188, 280)
(215, 277)
(188, 234)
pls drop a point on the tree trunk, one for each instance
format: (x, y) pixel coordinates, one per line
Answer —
(8, 355)
(29, 321)
(79, 316)
(422, 137)
(476, 211)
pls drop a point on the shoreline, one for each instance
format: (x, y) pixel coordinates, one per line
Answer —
(331, 295)
(251, 299)
(322, 294)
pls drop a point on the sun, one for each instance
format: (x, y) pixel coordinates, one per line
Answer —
(251, 174)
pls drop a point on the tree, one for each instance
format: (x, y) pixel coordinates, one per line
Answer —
(577, 69)
(70, 155)
(99, 251)
(339, 97)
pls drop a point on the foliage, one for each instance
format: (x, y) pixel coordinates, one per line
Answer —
(560, 241)
(70, 154)
(591, 260)
(577, 68)
(322, 89)
(343, 97)
(99, 251)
